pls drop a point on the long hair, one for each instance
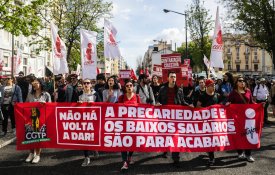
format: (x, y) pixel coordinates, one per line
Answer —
(230, 79)
(42, 85)
(236, 83)
(115, 82)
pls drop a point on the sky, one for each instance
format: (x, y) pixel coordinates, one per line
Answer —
(139, 22)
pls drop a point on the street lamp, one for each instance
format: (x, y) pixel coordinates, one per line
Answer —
(185, 14)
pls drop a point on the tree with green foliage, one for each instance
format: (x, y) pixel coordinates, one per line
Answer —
(18, 18)
(257, 18)
(199, 26)
(70, 17)
(194, 53)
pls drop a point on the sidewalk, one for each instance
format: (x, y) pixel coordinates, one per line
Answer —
(7, 139)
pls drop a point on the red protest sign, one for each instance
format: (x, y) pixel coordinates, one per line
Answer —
(157, 70)
(186, 62)
(124, 74)
(145, 128)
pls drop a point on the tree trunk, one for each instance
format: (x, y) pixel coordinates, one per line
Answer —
(69, 52)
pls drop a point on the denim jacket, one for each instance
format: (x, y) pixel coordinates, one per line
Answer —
(16, 93)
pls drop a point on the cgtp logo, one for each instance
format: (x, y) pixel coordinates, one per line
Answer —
(250, 127)
(33, 131)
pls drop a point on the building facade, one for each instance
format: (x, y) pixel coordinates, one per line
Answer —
(242, 56)
(32, 61)
(153, 54)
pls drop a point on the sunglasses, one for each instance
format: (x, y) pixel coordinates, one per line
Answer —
(86, 82)
(129, 85)
(240, 80)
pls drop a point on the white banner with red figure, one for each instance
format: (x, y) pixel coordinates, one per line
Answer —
(145, 128)
(60, 65)
(216, 56)
(111, 49)
(88, 54)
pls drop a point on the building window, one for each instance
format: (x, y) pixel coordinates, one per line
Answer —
(229, 67)
(25, 61)
(6, 61)
(238, 52)
(255, 67)
(237, 67)
(25, 70)
(246, 67)
(255, 54)
(228, 50)
(247, 50)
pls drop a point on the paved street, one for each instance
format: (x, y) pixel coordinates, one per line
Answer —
(57, 162)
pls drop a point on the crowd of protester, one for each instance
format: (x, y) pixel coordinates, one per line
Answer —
(200, 92)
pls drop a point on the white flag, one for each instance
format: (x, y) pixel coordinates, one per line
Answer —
(18, 61)
(88, 54)
(206, 62)
(78, 69)
(111, 49)
(60, 65)
(216, 59)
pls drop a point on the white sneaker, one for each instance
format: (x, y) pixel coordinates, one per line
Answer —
(250, 159)
(36, 159)
(124, 166)
(30, 157)
(241, 156)
(86, 161)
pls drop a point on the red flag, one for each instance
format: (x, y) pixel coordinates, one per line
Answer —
(141, 71)
(97, 70)
(133, 75)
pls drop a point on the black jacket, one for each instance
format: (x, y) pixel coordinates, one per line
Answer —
(179, 98)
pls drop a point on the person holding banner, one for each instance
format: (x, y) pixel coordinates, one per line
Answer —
(100, 85)
(38, 94)
(155, 86)
(112, 91)
(144, 90)
(199, 90)
(89, 95)
(129, 97)
(210, 97)
(241, 95)
(170, 94)
(227, 85)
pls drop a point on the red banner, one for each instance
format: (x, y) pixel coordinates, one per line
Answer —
(145, 128)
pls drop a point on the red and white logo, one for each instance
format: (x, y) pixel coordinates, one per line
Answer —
(219, 37)
(89, 54)
(58, 47)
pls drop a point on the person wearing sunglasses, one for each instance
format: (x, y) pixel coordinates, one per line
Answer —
(261, 94)
(241, 95)
(129, 97)
(10, 94)
(89, 95)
